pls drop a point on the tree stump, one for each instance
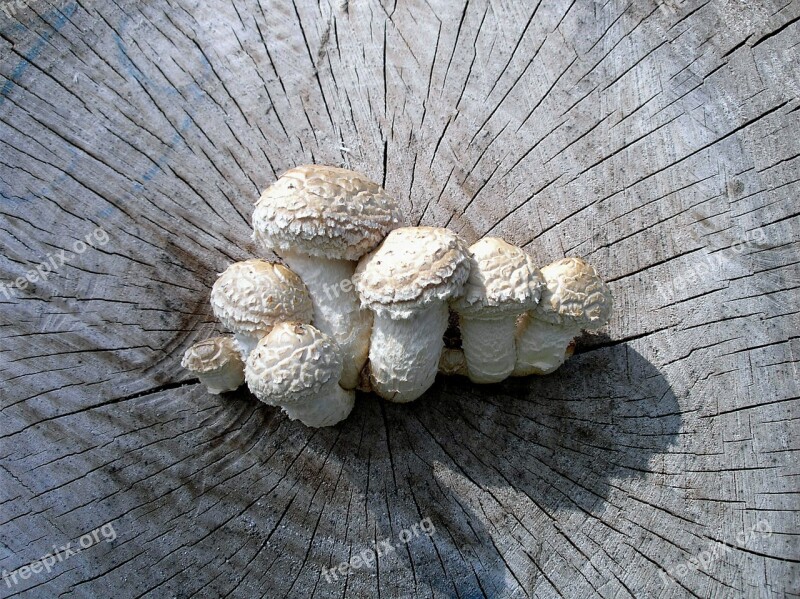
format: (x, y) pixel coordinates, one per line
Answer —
(659, 141)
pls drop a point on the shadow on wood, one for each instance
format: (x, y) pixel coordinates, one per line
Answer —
(555, 444)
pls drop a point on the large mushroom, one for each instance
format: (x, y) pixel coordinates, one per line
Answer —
(320, 220)
(297, 367)
(575, 298)
(217, 363)
(407, 282)
(250, 297)
(503, 283)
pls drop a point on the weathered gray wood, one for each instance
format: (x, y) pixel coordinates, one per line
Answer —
(659, 141)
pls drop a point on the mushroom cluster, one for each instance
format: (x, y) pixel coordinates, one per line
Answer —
(364, 302)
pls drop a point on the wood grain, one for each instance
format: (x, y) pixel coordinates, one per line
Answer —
(657, 140)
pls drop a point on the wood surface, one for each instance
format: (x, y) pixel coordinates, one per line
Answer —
(659, 141)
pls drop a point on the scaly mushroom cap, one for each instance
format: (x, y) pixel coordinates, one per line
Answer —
(412, 268)
(503, 280)
(324, 211)
(574, 295)
(292, 363)
(211, 354)
(251, 296)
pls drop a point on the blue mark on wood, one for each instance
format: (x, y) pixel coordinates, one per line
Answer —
(195, 93)
(193, 90)
(61, 18)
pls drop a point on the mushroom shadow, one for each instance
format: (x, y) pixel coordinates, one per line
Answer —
(492, 464)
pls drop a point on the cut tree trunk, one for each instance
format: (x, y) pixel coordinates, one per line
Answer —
(660, 142)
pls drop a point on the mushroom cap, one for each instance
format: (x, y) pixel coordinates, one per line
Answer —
(412, 268)
(293, 363)
(211, 354)
(503, 280)
(574, 295)
(251, 296)
(324, 211)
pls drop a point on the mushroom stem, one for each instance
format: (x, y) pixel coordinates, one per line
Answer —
(489, 347)
(404, 352)
(332, 405)
(224, 379)
(337, 310)
(246, 342)
(541, 346)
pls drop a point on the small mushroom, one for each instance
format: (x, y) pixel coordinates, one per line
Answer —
(217, 363)
(250, 297)
(320, 220)
(452, 362)
(407, 282)
(297, 367)
(575, 298)
(503, 283)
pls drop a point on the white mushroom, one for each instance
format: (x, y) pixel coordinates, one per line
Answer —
(575, 298)
(297, 367)
(250, 297)
(217, 363)
(407, 282)
(503, 283)
(321, 220)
